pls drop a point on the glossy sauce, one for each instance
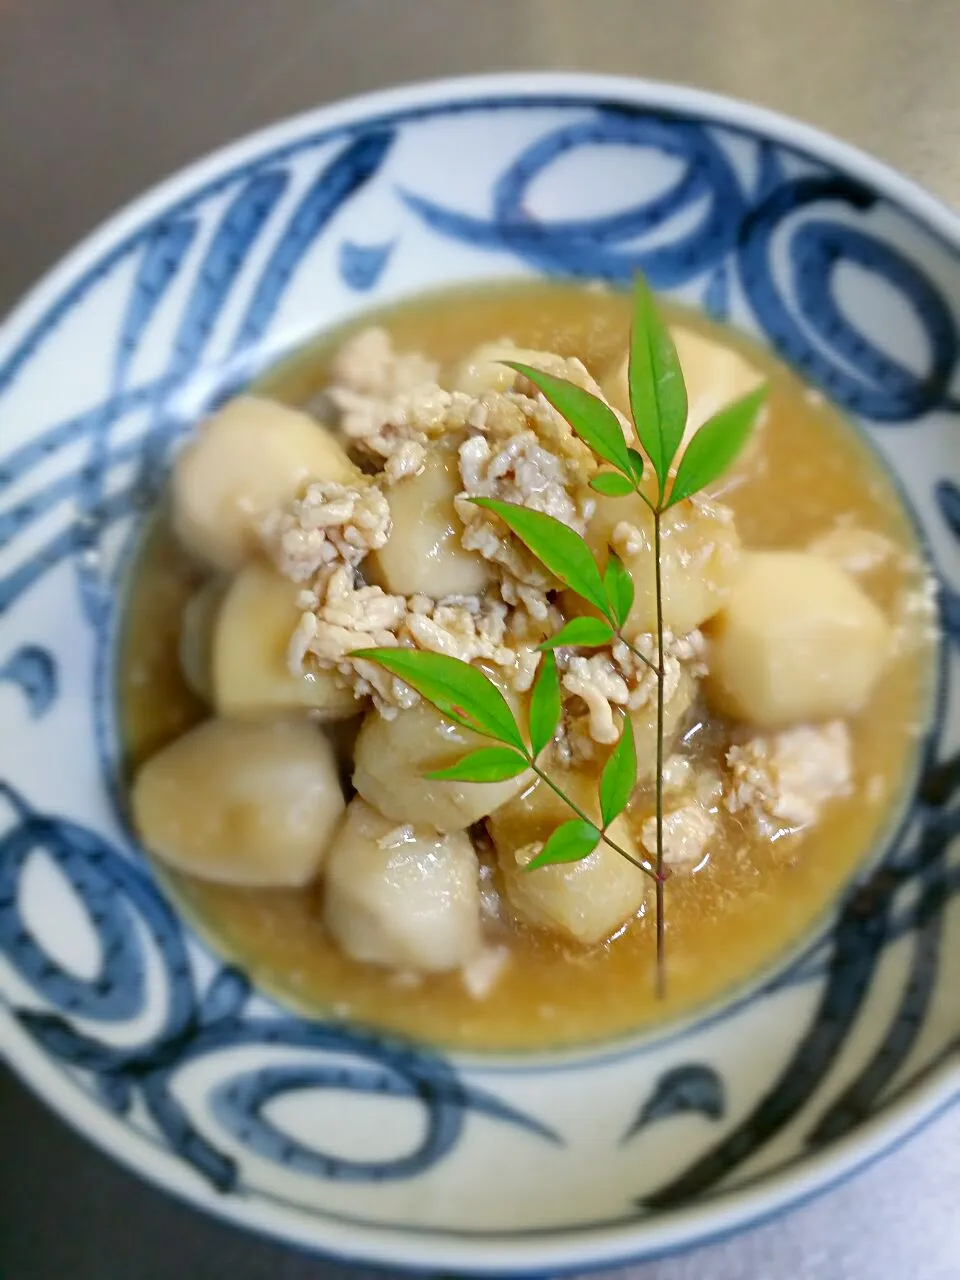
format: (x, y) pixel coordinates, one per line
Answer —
(752, 901)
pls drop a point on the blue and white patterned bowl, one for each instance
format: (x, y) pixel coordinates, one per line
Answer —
(343, 1140)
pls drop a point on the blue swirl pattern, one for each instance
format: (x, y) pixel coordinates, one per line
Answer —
(588, 247)
(810, 329)
(122, 904)
(856, 945)
(879, 387)
(33, 670)
(754, 231)
(692, 1087)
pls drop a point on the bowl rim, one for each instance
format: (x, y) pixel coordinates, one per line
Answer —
(554, 1251)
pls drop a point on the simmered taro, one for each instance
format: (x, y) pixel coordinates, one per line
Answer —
(283, 780)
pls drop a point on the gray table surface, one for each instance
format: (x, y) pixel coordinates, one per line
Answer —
(98, 99)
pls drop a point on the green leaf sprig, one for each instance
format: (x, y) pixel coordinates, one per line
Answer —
(464, 694)
(477, 704)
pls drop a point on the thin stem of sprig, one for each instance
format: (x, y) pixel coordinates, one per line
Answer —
(661, 968)
(659, 668)
(571, 804)
(647, 662)
(659, 409)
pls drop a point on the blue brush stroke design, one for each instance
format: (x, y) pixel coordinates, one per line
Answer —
(950, 612)
(858, 941)
(716, 296)
(392, 121)
(770, 172)
(880, 388)
(359, 161)
(939, 783)
(16, 519)
(937, 884)
(810, 967)
(688, 144)
(116, 896)
(817, 248)
(182, 1135)
(239, 1106)
(62, 546)
(225, 257)
(904, 922)
(947, 495)
(225, 996)
(122, 903)
(68, 300)
(33, 670)
(115, 1092)
(583, 247)
(946, 1055)
(47, 443)
(163, 256)
(238, 231)
(223, 261)
(691, 1087)
(361, 265)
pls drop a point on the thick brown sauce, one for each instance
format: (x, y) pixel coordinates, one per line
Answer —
(751, 903)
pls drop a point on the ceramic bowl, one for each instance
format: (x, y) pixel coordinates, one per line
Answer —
(338, 1138)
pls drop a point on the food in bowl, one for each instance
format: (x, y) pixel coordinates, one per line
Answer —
(282, 783)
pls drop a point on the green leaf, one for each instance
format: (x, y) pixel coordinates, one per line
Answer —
(558, 548)
(716, 444)
(571, 842)
(619, 588)
(544, 705)
(588, 633)
(658, 397)
(637, 464)
(593, 421)
(612, 484)
(489, 764)
(619, 776)
(458, 691)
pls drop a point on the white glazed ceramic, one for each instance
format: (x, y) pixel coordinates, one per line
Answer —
(337, 1138)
